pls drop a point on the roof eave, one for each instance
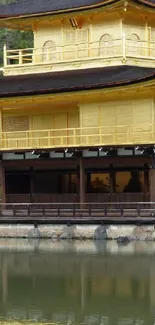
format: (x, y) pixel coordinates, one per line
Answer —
(146, 81)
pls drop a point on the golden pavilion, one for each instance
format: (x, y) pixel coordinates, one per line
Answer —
(77, 110)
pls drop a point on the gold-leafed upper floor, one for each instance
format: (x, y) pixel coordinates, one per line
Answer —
(119, 35)
(80, 120)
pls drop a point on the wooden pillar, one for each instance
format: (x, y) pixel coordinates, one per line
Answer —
(81, 182)
(146, 185)
(2, 184)
(152, 184)
(31, 185)
(112, 181)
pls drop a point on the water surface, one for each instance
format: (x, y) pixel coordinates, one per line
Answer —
(77, 282)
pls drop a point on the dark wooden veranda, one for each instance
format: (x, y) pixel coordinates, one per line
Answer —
(72, 213)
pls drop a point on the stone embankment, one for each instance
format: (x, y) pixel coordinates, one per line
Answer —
(121, 233)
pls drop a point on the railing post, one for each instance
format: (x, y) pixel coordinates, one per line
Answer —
(33, 55)
(49, 138)
(14, 211)
(88, 49)
(138, 210)
(48, 54)
(3, 140)
(89, 210)
(61, 138)
(74, 137)
(20, 57)
(105, 210)
(124, 47)
(1, 143)
(43, 211)
(76, 51)
(28, 211)
(38, 142)
(100, 135)
(5, 55)
(27, 139)
(62, 51)
(73, 210)
(122, 211)
(58, 211)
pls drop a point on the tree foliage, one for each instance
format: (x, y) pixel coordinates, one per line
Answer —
(14, 39)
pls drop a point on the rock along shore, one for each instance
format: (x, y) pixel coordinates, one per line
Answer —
(121, 233)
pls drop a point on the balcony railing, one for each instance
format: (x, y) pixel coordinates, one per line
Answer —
(133, 212)
(117, 48)
(78, 137)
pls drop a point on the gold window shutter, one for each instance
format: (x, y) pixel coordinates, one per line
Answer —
(69, 44)
(82, 41)
(15, 123)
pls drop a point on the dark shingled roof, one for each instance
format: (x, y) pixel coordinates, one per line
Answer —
(30, 7)
(75, 80)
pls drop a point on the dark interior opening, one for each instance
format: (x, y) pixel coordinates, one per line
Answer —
(61, 182)
(17, 183)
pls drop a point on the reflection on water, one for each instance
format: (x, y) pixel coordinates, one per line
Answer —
(77, 283)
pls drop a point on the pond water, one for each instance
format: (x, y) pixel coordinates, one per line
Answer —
(77, 282)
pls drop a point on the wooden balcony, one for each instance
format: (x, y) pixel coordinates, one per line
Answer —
(82, 55)
(78, 137)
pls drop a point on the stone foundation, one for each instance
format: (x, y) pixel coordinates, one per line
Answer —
(82, 232)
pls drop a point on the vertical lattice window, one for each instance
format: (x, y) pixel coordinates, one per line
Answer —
(151, 41)
(134, 44)
(106, 45)
(75, 36)
(82, 35)
(69, 37)
(15, 123)
(75, 43)
(49, 51)
(152, 34)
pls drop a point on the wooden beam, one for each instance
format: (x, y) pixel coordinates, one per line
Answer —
(70, 163)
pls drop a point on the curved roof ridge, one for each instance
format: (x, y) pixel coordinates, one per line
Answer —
(148, 3)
